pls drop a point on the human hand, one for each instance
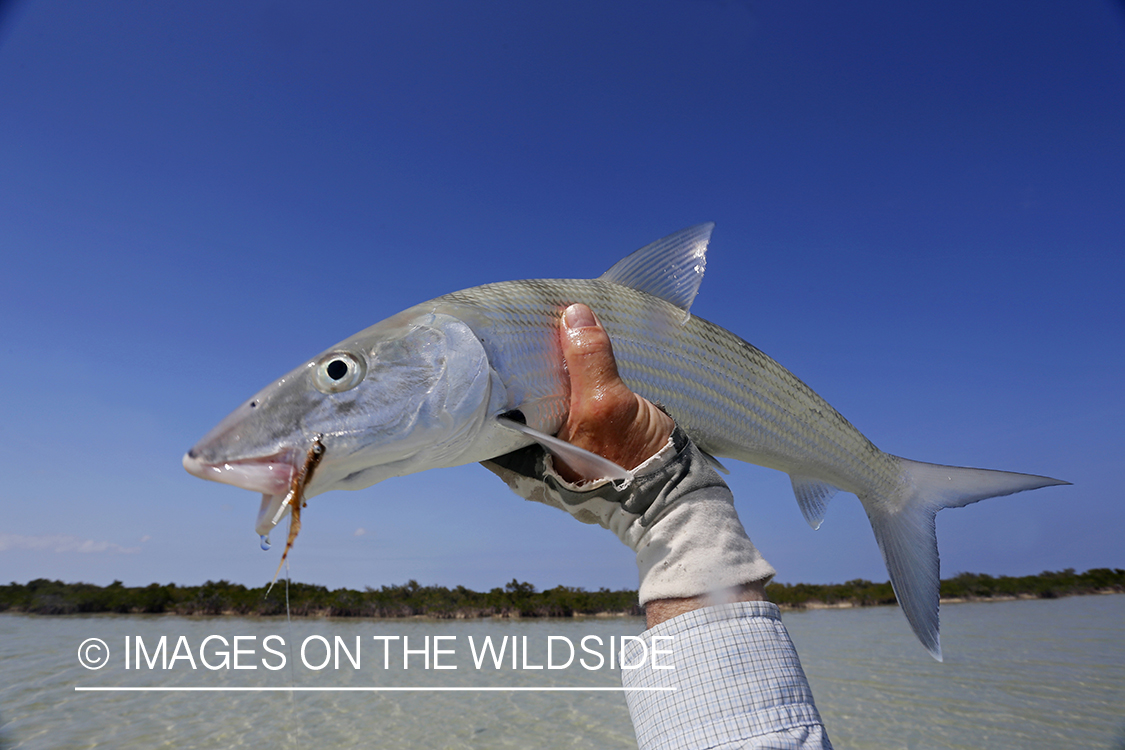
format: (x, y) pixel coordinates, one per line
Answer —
(605, 417)
(676, 513)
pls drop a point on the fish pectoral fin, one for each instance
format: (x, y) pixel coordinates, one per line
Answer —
(590, 465)
(715, 462)
(670, 268)
(813, 496)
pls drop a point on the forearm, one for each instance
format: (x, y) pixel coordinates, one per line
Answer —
(736, 678)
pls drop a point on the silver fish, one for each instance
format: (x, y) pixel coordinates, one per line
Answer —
(439, 384)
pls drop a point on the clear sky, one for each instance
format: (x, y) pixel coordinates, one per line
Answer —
(920, 211)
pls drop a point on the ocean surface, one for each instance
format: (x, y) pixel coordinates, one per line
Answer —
(1018, 674)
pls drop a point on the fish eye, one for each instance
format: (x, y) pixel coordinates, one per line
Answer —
(339, 371)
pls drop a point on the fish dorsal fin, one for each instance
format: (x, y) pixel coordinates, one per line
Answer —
(671, 268)
(813, 496)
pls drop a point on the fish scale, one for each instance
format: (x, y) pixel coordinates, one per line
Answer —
(741, 403)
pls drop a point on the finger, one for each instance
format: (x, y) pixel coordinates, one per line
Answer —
(598, 397)
(588, 352)
(605, 417)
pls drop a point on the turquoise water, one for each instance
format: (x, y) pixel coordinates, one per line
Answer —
(1021, 674)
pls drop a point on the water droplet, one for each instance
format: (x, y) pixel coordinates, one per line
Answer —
(265, 542)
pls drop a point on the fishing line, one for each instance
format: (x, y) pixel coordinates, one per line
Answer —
(289, 625)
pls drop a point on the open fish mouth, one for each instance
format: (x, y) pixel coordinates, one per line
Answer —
(281, 478)
(270, 475)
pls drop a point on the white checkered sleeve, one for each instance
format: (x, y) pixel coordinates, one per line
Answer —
(737, 683)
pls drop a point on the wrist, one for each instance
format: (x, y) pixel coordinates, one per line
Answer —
(659, 610)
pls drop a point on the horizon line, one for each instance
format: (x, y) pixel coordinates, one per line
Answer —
(371, 589)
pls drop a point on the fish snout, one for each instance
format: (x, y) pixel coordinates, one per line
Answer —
(194, 466)
(269, 474)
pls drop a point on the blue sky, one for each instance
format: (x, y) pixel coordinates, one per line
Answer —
(920, 211)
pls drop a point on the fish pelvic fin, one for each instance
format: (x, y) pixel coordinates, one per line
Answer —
(905, 529)
(670, 268)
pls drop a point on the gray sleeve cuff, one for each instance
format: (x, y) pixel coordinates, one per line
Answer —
(676, 513)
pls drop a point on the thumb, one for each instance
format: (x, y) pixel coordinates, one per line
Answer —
(605, 416)
(588, 354)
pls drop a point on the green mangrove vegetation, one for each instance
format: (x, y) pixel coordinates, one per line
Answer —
(516, 599)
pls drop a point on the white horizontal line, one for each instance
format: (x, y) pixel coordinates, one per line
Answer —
(365, 689)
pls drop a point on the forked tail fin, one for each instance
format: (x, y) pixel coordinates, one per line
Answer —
(904, 528)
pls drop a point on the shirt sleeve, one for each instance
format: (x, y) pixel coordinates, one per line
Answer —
(735, 682)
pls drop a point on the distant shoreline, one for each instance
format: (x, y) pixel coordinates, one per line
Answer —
(960, 599)
(516, 599)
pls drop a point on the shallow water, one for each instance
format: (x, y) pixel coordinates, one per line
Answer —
(1021, 674)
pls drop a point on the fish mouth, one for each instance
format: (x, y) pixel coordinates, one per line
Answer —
(281, 478)
(270, 475)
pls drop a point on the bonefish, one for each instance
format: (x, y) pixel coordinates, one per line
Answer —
(477, 373)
